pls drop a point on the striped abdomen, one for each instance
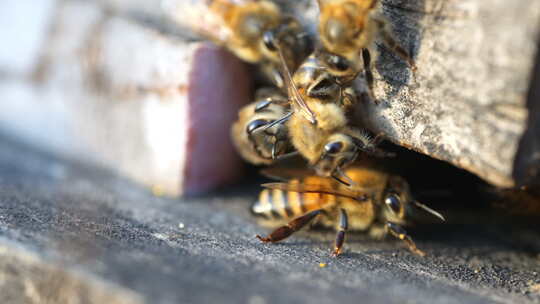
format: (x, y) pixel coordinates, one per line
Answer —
(279, 204)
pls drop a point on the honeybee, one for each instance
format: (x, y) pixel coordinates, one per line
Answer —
(254, 144)
(252, 30)
(349, 28)
(317, 123)
(379, 203)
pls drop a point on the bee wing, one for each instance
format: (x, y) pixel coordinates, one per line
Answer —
(294, 95)
(286, 174)
(359, 194)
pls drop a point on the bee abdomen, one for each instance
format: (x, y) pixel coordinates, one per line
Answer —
(273, 204)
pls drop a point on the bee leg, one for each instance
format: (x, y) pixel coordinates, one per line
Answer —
(340, 236)
(401, 234)
(278, 147)
(348, 98)
(379, 138)
(376, 151)
(389, 40)
(271, 72)
(366, 56)
(285, 231)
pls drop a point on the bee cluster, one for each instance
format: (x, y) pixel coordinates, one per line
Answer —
(306, 114)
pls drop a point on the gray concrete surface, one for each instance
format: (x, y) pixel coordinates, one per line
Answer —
(83, 222)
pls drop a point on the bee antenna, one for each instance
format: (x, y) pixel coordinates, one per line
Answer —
(278, 121)
(287, 155)
(429, 210)
(294, 95)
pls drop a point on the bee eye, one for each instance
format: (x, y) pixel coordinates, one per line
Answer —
(269, 41)
(262, 105)
(252, 126)
(393, 202)
(333, 147)
(339, 63)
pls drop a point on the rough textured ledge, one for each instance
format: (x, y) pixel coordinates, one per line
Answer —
(114, 242)
(28, 277)
(467, 103)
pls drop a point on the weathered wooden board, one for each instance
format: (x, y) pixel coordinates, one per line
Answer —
(467, 101)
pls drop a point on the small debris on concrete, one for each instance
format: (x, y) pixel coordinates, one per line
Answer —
(535, 288)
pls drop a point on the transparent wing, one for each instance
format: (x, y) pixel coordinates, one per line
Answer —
(294, 95)
(286, 174)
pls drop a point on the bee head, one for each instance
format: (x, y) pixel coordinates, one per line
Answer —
(253, 18)
(287, 35)
(342, 26)
(399, 203)
(267, 143)
(276, 39)
(269, 42)
(396, 199)
(258, 139)
(283, 43)
(337, 65)
(339, 151)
